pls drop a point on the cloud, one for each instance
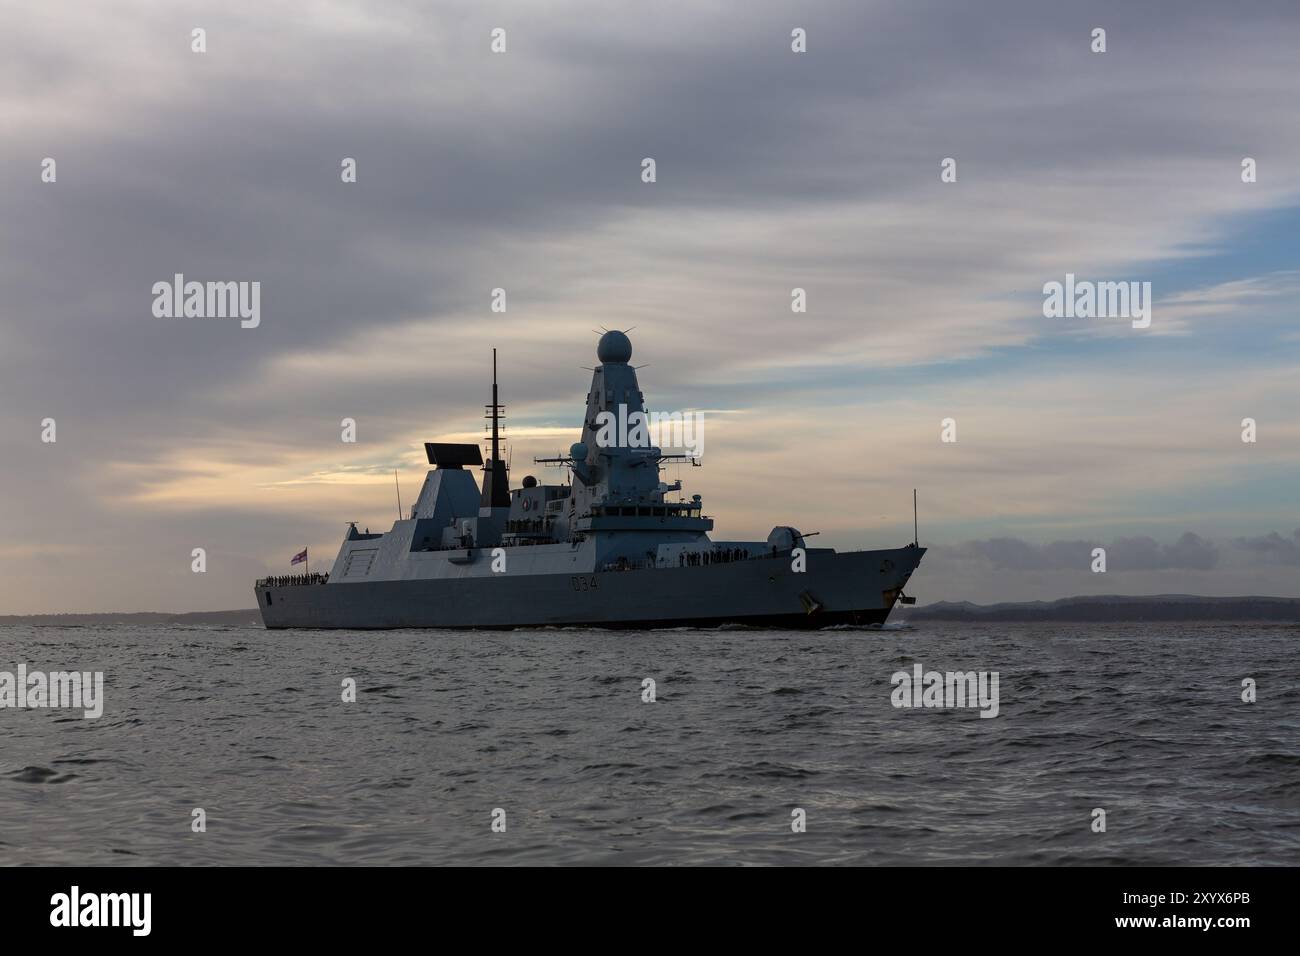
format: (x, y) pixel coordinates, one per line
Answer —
(521, 171)
(1141, 553)
(1013, 569)
(1272, 548)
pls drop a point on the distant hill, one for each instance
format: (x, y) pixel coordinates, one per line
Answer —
(1113, 607)
(248, 618)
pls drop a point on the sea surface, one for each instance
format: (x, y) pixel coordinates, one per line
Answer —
(748, 726)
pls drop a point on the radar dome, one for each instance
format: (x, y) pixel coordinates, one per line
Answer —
(615, 347)
(578, 451)
(530, 481)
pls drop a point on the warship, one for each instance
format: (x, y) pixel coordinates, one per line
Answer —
(611, 546)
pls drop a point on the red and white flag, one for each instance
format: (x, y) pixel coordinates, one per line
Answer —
(299, 558)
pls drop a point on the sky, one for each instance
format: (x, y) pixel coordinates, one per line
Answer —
(774, 170)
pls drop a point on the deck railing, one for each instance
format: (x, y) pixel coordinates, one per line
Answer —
(292, 580)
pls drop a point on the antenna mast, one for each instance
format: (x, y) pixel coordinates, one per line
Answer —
(495, 410)
(496, 483)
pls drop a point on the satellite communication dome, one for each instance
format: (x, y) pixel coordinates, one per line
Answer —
(530, 481)
(615, 347)
(578, 451)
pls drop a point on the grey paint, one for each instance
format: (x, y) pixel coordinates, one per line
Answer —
(610, 549)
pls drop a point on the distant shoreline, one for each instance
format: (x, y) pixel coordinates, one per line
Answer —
(1101, 608)
(1110, 607)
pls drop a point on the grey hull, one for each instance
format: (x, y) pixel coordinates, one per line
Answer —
(856, 588)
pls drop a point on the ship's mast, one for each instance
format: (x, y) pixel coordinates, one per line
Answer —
(496, 482)
(496, 408)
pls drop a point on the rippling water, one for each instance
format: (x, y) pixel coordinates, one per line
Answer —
(1145, 721)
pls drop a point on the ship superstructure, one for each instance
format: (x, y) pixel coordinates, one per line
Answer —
(613, 546)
